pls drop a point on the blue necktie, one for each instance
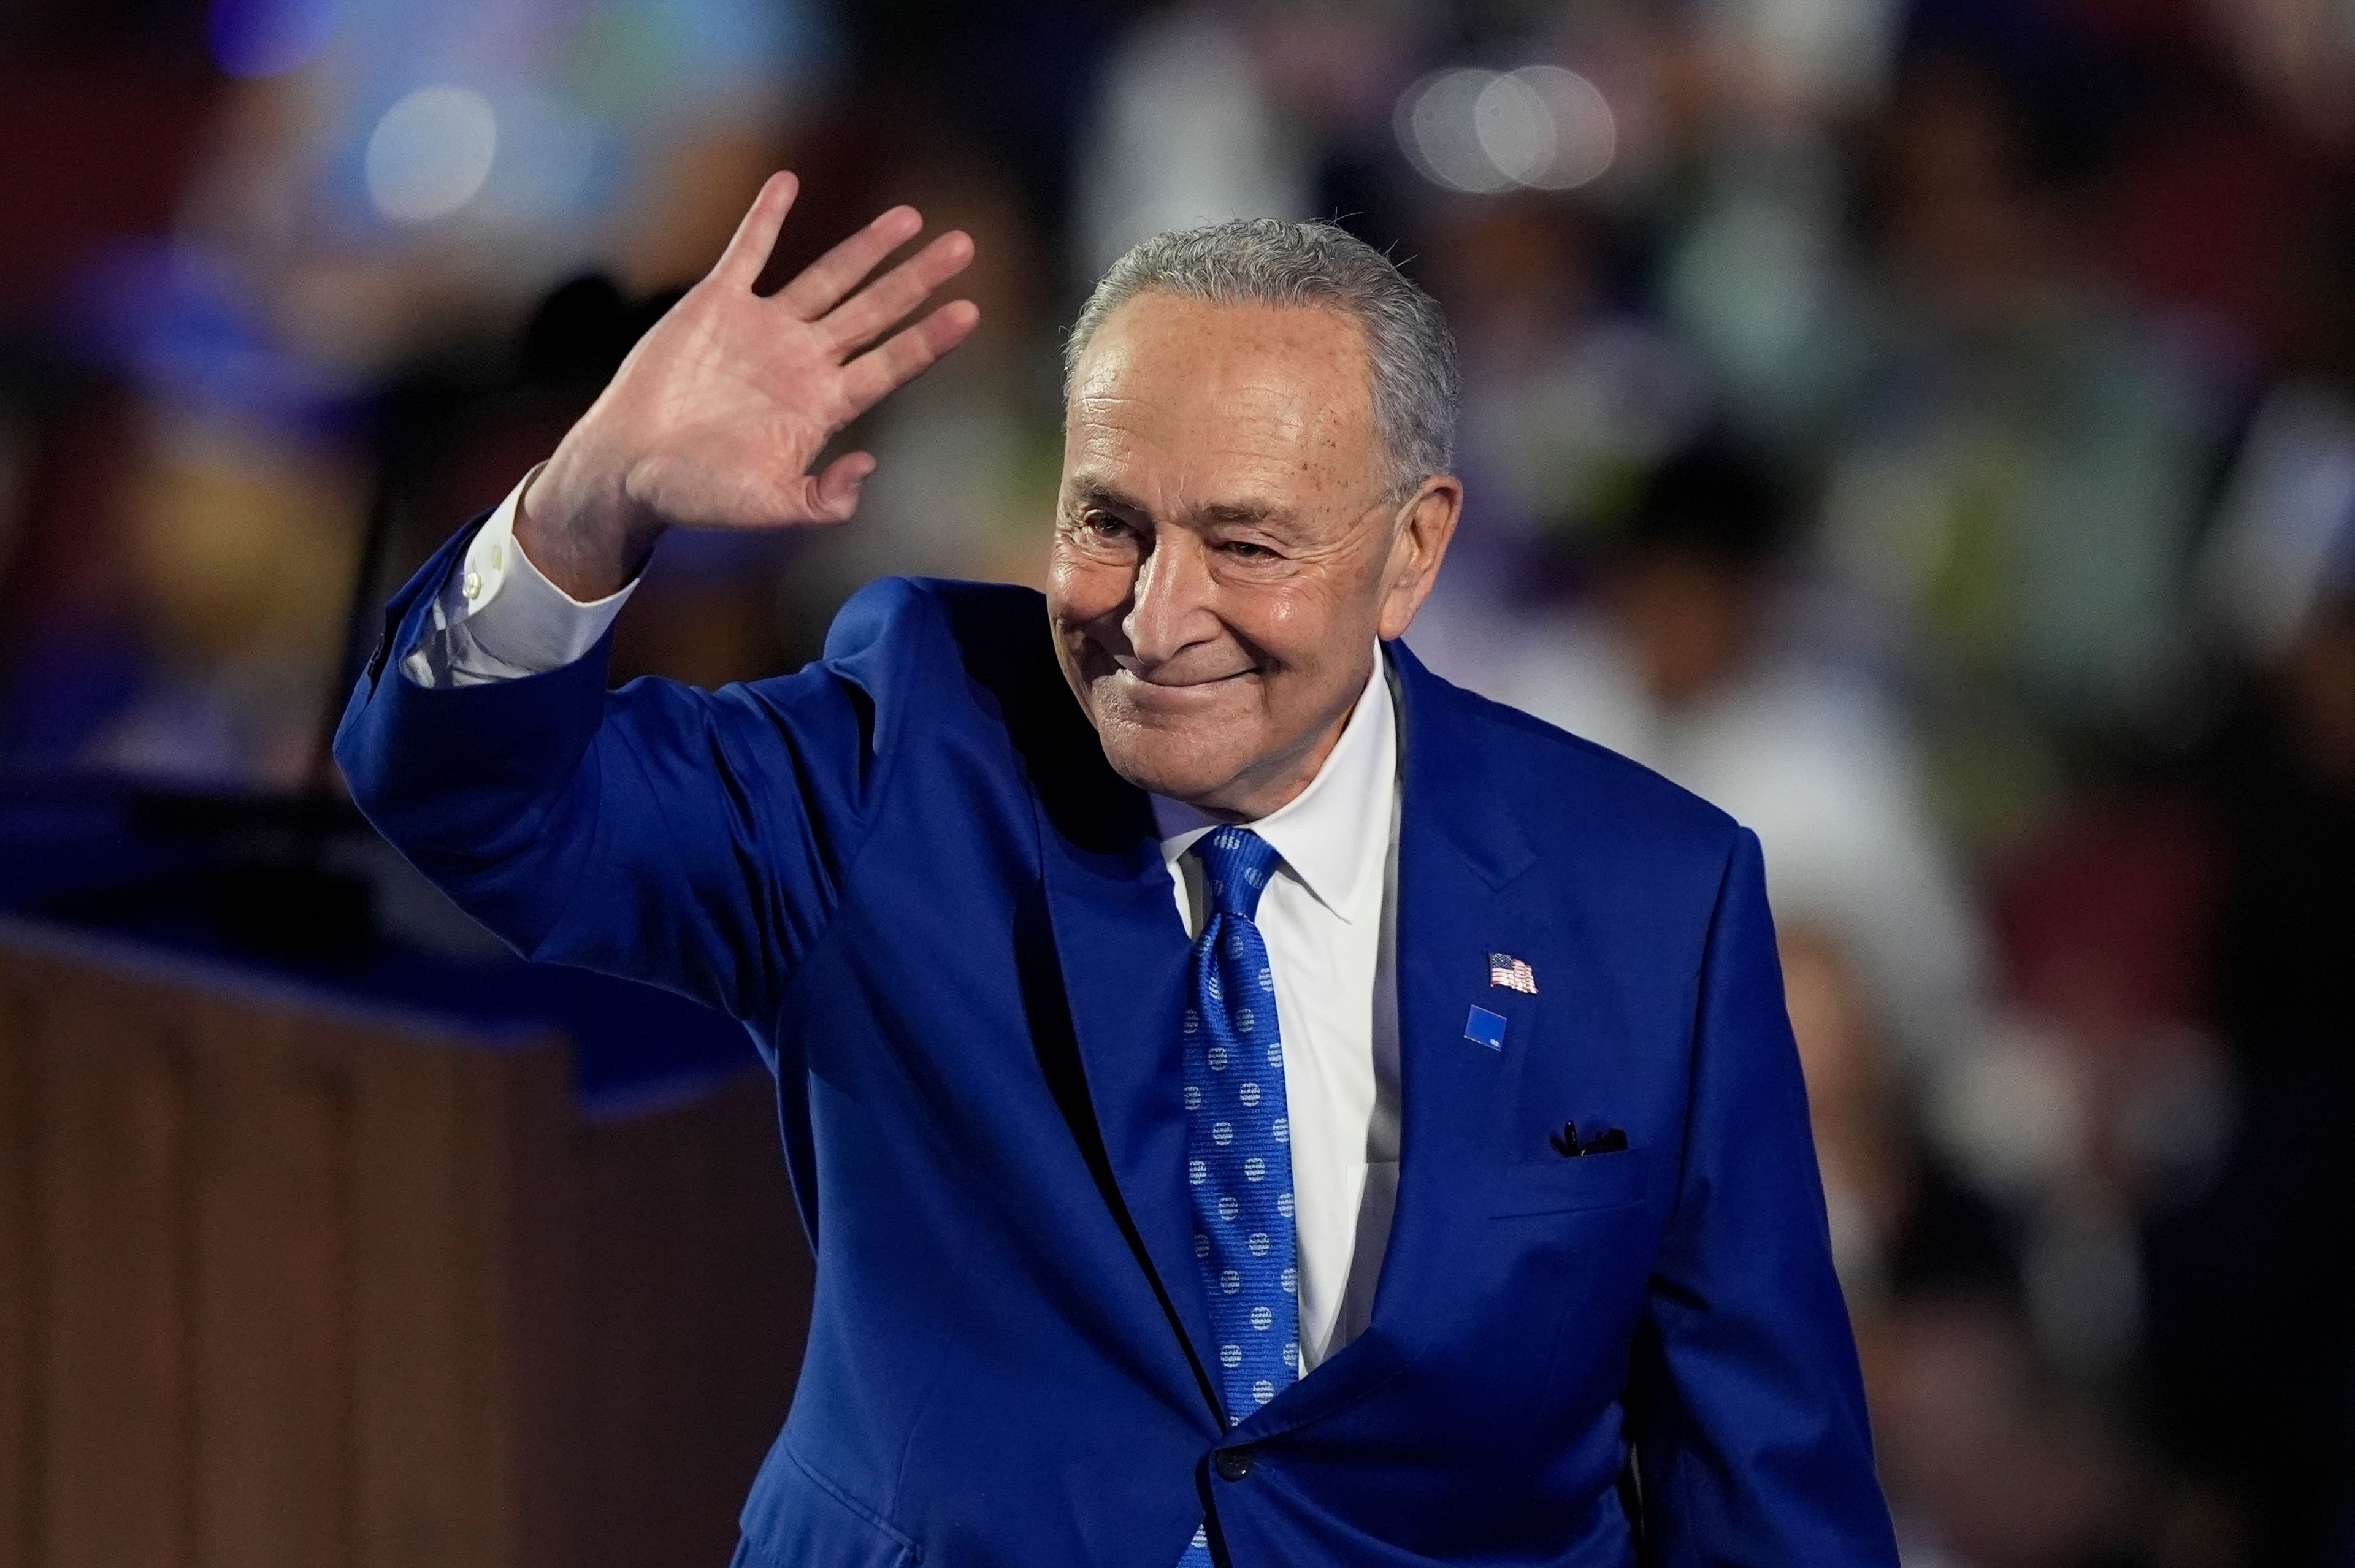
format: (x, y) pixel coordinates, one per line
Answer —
(1238, 1142)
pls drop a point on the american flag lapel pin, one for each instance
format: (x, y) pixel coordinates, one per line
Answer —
(1513, 974)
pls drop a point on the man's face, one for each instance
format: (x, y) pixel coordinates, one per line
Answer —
(1226, 548)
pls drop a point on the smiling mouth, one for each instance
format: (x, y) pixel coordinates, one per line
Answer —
(1128, 665)
(1176, 690)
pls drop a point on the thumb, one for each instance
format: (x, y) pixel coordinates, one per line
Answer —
(833, 496)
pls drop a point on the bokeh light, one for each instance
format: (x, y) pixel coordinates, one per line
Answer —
(1540, 126)
(430, 153)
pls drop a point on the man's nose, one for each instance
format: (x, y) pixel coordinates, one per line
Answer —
(1169, 610)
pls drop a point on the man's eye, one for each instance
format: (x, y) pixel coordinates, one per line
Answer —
(1104, 525)
(1248, 550)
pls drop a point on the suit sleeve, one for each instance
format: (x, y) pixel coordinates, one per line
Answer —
(696, 840)
(1748, 1408)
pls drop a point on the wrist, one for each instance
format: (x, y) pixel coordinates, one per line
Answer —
(581, 529)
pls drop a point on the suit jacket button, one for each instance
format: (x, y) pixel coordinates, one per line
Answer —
(1232, 1464)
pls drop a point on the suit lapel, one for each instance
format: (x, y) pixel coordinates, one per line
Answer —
(1122, 950)
(1459, 848)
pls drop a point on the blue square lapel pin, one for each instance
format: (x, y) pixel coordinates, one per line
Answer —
(1485, 1028)
(1505, 973)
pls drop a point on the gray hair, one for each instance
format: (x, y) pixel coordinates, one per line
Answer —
(1267, 261)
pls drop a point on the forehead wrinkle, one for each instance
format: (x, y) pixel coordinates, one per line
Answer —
(1276, 430)
(1234, 476)
(1261, 402)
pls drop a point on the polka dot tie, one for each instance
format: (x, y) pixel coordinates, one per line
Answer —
(1237, 1141)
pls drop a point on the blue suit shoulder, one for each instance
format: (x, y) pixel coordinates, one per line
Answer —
(925, 652)
(934, 631)
(898, 608)
(978, 659)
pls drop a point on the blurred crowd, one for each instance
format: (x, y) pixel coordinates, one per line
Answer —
(1926, 430)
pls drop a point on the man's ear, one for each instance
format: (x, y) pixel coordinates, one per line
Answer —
(1418, 543)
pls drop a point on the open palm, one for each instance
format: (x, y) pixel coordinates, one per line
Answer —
(717, 414)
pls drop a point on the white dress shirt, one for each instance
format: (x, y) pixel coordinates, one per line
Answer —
(1328, 917)
(498, 618)
(1329, 921)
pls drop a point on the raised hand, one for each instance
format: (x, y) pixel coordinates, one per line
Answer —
(716, 416)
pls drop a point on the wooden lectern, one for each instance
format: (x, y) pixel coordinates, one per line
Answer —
(286, 1282)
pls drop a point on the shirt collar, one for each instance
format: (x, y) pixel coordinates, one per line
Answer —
(1334, 834)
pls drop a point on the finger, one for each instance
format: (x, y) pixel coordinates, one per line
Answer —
(832, 497)
(905, 356)
(865, 314)
(756, 235)
(836, 274)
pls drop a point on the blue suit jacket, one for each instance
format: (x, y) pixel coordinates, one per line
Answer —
(911, 873)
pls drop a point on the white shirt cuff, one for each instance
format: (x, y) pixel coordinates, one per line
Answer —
(497, 617)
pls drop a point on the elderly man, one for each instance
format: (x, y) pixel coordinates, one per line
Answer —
(1252, 1103)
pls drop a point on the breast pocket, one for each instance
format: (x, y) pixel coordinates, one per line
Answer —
(1586, 1181)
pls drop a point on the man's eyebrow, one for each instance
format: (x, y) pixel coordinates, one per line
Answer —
(1096, 493)
(1100, 493)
